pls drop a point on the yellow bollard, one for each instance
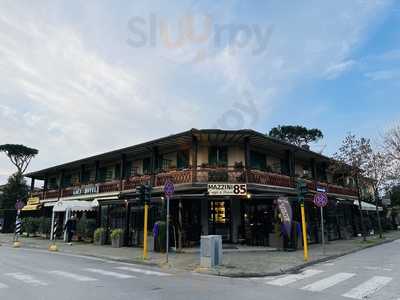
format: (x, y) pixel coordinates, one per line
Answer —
(304, 229)
(17, 244)
(53, 248)
(146, 212)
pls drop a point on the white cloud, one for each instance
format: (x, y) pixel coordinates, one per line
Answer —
(75, 87)
(383, 75)
(335, 70)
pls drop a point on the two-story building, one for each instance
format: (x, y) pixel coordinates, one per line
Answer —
(202, 164)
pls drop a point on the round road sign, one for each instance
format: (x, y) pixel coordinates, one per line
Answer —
(320, 199)
(169, 188)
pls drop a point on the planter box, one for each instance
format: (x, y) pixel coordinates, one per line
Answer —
(118, 242)
(102, 240)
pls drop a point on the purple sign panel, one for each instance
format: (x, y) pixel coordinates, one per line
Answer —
(169, 188)
(320, 199)
(285, 210)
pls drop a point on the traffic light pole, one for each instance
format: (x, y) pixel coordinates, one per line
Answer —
(146, 213)
(304, 229)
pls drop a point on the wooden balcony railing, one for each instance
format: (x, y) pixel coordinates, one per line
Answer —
(203, 175)
(108, 187)
(267, 178)
(134, 181)
(176, 177)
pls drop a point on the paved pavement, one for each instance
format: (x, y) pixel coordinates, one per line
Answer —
(40, 275)
(245, 261)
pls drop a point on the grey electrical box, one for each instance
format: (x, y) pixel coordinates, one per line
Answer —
(210, 251)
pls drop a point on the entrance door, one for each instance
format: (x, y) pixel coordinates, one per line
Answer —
(219, 219)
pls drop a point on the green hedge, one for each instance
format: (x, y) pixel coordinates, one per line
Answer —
(33, 226)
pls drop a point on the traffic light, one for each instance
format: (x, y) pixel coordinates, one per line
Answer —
(142, 191)
(302, 189)
(147, 193)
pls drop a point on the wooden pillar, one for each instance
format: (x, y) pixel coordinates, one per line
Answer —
(97, 171)
(60, 184)
(32, 184)
(122, 171)
(154, 165)
(81, 174)
(246, 157)
(194, 153)
(314, 169)
(45, 183)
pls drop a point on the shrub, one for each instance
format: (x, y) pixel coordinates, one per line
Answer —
(44, 225)
(98, 233)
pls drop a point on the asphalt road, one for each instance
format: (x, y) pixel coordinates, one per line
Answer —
(35, 274)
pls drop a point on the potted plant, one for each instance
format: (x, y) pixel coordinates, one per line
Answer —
(117, 238)
(99, 236)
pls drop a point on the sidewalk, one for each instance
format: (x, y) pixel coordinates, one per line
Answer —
(244, 262)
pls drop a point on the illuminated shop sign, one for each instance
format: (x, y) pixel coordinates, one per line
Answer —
(227, 189)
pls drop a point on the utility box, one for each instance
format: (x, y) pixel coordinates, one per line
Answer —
(210, 251)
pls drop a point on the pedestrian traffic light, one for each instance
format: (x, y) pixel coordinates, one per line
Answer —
(302, 189)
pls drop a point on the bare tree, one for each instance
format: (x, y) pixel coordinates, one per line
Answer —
(352, 158)
(377, 174)
(392, 142)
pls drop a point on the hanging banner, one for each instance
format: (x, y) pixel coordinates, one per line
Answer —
(285, 210)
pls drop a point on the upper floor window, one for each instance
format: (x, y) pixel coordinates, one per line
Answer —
(218, 156)
(105, 174)
(53, 184)
(258, 160)
(182, 159)
(147, 165)
(67, 181)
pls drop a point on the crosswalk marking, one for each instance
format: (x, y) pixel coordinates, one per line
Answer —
(368, 288)
(328, 282)
(72, 276)
(146, 272)
(27, 279)
(294, 277)
(110, 273)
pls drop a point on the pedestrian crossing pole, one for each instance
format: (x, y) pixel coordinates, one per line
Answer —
(18, 228)
(54, 227)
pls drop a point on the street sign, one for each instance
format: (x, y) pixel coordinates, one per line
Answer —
(227, 189)
(320, 200)
(169, 188)
(19, 205)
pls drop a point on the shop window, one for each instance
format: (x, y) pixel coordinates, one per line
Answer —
(182, 159)
(258, 160)
(218, 156)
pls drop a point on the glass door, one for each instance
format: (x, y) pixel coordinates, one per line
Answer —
(219, 219)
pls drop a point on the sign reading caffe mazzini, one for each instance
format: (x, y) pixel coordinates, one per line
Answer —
(86, 189)
(227, 189)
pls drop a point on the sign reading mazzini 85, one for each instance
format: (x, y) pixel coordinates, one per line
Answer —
(226, 189)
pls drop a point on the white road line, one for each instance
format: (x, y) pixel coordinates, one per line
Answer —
(26, 279)
(110, 273)
(368, 288)
(328, 282)
(72, 276)
(294, 277)
(143, 271)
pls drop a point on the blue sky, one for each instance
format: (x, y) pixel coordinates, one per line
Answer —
(83, 78)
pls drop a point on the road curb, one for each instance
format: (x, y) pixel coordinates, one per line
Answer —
(297, 268)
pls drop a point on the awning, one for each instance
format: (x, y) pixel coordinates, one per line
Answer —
(31, 207)
(74, 205)
(367, 206)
